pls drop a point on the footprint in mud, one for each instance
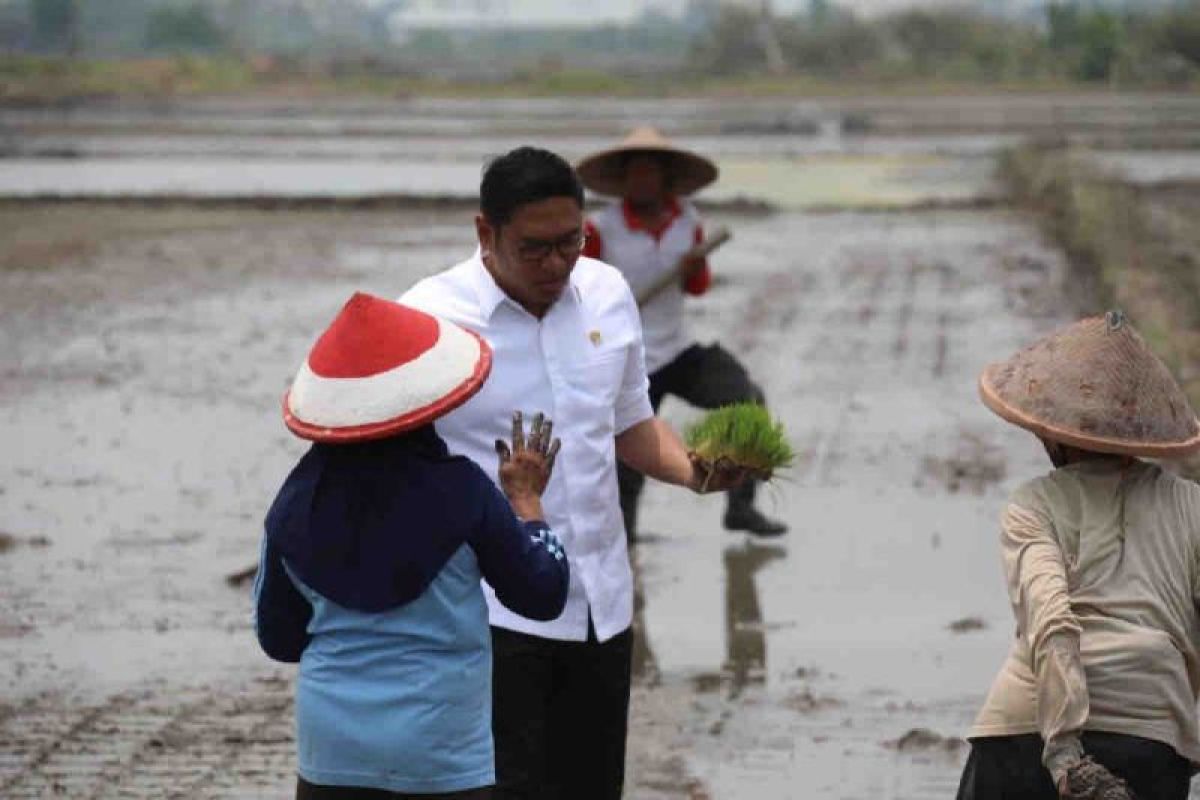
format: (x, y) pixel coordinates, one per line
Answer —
(707, 682)
(967, 625)
(9, 542)
(805, 702)
(923, 740)
(718, 727)
(974, 466)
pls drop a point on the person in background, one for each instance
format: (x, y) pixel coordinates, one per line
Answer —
(371, 560)
(645, 234)
(1102, 557)
(566, 336)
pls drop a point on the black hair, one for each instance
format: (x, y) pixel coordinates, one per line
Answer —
(522, 176)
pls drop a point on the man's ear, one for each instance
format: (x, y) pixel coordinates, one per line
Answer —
(486, 235)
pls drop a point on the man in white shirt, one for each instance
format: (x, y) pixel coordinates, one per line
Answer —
(566, 340)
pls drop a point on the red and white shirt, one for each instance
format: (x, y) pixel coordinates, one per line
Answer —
(643, 254)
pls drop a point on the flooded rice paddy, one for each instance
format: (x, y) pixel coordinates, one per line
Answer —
(840, 152)
(146, 349)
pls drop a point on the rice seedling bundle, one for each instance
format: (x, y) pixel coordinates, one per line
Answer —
(741, 435)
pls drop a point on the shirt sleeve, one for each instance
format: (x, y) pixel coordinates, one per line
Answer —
(700, 280)
(593, 246)
(420, 296)
(1038, 591)
(522, 561)
(1188, 494)
(633, 400)
(281, 613)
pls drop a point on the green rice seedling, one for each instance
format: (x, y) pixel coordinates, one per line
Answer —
(741, 435)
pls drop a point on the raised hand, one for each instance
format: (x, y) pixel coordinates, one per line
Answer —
(526, 465)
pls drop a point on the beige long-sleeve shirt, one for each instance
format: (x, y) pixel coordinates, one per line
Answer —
(1103, 567)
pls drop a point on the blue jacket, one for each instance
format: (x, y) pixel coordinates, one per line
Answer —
(369, 577)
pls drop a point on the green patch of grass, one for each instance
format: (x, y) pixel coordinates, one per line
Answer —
(24, 78)
(53, 78)
(745, 434)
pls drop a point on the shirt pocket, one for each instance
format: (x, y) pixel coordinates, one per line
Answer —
(597, 377)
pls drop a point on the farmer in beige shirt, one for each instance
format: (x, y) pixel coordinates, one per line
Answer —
(1102, 559)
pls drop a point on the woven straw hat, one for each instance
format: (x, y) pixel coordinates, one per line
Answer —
(604, 172)
(381, 369)
(1097, 386)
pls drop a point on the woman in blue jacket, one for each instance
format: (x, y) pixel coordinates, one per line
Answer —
(373, 553)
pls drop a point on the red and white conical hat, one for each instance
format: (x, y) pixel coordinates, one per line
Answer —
(382, 368)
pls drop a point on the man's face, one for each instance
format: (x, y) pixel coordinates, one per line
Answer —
(645, 180)
(531, 256)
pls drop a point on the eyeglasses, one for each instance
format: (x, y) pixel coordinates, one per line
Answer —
(537, 250)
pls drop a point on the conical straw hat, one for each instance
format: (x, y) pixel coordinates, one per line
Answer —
(604, 172)
(380, 369)
(1094, 385)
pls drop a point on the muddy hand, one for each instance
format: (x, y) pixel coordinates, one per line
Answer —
(534, 442)
(716, 476)
(525, 466)
(1087, 779)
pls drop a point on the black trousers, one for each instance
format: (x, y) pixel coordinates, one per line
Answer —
(1010, 767)
(312, 791)
(560, 712)
(706, 377)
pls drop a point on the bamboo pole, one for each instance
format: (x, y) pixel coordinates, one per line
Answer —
(680, 271)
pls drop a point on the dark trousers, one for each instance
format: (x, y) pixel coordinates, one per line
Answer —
(312, 791)
(1010, 767)
(559, 716)
(706, 377)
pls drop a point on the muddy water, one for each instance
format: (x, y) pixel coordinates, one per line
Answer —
(145, 355)
(850, 181)
(835, 653)
(793, 153)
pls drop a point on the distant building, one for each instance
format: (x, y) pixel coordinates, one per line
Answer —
(480, 15)
(500, 14)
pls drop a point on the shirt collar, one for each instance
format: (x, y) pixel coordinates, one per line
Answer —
(635, 223)
(488, 292)
(490, 295)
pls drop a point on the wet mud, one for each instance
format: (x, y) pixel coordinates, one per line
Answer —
(148, 351)
(867, 333)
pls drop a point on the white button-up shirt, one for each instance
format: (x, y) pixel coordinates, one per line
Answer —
(581, 364)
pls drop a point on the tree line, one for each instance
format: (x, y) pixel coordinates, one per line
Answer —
(1073, 40)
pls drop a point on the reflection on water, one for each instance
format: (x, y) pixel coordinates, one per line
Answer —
(745, 640)
(745, 660)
